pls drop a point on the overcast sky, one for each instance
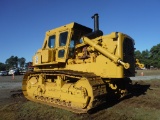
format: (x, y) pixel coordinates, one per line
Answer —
(23, 23)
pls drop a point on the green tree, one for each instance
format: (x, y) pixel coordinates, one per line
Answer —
(138, 55)
(146, 57)
(155, 56)
(12, 61)
(2, 66)
(143, 57)
(21, 61)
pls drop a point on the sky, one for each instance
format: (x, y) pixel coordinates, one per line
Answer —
(23, 23)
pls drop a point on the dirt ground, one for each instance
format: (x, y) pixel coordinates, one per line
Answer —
(143, 103)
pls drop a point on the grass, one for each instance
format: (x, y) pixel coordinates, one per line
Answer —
(28, 109)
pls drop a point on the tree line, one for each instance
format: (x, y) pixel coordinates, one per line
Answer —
(150, 58)
(12, 62)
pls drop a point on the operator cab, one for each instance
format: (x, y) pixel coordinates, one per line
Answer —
(59, 44)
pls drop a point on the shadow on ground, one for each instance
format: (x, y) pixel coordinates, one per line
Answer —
(135, 89)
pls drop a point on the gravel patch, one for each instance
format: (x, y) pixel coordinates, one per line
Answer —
(10, 85)
(157, 77)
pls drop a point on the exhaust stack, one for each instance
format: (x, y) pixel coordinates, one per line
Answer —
(96, 22)
(96, 32)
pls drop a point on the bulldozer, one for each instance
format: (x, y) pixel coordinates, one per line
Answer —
(138, 64)
(78, 67)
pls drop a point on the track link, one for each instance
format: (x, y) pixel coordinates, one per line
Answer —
(97, 84)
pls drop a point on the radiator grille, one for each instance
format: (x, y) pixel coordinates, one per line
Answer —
(128, 56)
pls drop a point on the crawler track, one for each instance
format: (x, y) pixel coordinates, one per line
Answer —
(98, 86)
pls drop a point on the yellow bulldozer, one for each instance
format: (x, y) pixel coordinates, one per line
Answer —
(138, 64)
(78, 67)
